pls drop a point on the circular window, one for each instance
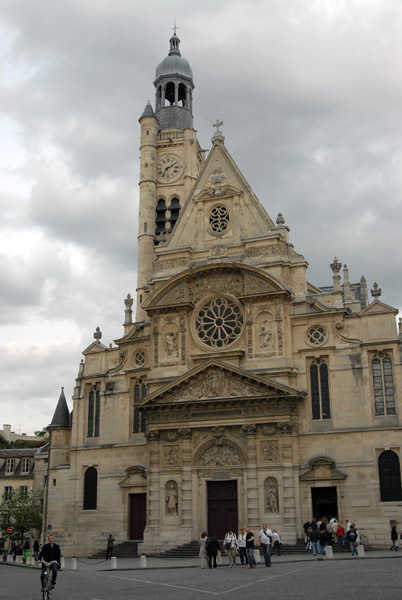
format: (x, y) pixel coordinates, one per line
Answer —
(140, 357)
(218, 322)
(316, 335)
(219, 219)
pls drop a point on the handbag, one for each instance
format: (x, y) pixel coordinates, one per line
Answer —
(219, 557)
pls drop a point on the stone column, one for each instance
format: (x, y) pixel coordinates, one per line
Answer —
(251, 479)
(186, 483)
(152, 531)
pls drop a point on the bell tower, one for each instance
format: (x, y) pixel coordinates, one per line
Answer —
(170, 161)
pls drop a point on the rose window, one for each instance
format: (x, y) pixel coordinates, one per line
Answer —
(316, 335)
(219, 322)
(219, 219)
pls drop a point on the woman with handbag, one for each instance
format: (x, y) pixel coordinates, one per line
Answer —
(230, 545)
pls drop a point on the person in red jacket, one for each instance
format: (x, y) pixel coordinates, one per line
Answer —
(340, 534)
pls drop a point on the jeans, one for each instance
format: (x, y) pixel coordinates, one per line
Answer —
(353, 547)
(341, 540)
(266, 554)
(250, 556)
(243, 555)
(322, 549)
(315, 548)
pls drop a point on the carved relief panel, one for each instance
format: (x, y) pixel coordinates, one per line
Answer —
(171, 456)
(270, 451)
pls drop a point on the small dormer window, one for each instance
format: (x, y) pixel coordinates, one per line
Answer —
(25, 465)
(10, 465)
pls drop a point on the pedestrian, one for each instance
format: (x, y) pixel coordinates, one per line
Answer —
(323, 541)
(351, 537)
(50, 552)
(313, 524)
(340, 534)
(230, 545)
(241, 544)
(277, 543)
(266, 541)
(212, 547)
(203, 550)
(394, 539)
(250, 548)
(36, 549)
(329, 534)
(306, 527)
(109, 546)
(315, 541)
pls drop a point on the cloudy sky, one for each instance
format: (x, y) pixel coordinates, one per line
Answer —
(310, 92)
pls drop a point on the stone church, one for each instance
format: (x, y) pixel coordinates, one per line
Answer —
(241, 392)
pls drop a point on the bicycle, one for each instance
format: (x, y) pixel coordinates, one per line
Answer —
(46, 578)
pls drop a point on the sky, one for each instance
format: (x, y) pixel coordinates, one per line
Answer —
(310, 93)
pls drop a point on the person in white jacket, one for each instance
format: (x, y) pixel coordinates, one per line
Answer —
(277, 543)
(230, 545)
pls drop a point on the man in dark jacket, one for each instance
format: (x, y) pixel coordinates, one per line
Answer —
(49, 552)
(212, 547)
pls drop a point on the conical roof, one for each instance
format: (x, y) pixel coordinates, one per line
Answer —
(61, 417)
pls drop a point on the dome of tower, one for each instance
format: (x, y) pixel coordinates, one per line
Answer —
(174, 64)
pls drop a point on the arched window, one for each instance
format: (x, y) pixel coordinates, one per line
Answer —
(319, 387)
(93, 413)
(383, 385)
(90, 489)
(183, 95)
(174, 212)
(389, 472)
(170, 93)
(160, 218)
(140, 423)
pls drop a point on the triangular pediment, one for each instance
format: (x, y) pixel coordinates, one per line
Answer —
(94, 348)
(220, 185)
(378, 307)
(214, 380)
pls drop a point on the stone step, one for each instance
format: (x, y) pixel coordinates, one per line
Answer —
(128, 549)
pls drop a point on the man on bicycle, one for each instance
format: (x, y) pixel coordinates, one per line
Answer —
(49, 552)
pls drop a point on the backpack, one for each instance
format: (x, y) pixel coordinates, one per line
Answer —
(352, 535)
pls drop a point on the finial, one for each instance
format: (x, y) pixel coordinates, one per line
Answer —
(128, 319)
(217, 137)
(175, 28)
(97, 334)
(336, 266)
(376, 291)
(280, 220)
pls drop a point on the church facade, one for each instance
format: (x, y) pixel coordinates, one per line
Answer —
(240, 393)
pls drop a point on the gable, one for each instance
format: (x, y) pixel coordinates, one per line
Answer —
(377, 307)
(217, 380)
(221, 208)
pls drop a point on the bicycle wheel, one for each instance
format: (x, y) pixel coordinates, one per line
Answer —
(44, 588)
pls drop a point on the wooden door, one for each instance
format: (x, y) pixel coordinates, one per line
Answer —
(138, 516)
(222, 507)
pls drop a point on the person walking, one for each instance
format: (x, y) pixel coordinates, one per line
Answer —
(351, 536)
(266, 541)
(340, 534)
(241, 544)
(315, 541)
(109, 546)
(36, 549)
(394, 539)
(203, 550)
(212, 547)
(230, 545)
(250, 548)
(277, 543)
(323, 541)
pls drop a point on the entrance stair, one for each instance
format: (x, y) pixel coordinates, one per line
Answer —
(127, 549)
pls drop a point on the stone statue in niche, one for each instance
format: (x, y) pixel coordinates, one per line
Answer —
(171, 344)
(265, 334)
(171, 498)
(272, 497)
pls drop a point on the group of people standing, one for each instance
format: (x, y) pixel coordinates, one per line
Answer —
(325, 533)
(242, 544)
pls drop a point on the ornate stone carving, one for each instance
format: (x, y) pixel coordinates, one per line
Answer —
(272, 408)
(185, 433)
(273, 250)
(270, 451)
(255, 284)
(268, 429)
(217, 456)
(250, 340)
(170, 435)
(215, 385)
(171, 497)
(168, 416)
(171, 344)
(285, 427)
(175, 295)
(152, 435)
(183, 339)
(171, 456)
(271, 495)
(217, 182)
(249, 429)
(218, 433)
(279, 331)
(174, 263)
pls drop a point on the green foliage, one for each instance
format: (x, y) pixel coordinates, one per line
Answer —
(22, 511)
(27, 444)
(3, 442)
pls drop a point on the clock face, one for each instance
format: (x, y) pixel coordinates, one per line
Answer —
(169, 168)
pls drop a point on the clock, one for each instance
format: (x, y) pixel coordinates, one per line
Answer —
(168, 168)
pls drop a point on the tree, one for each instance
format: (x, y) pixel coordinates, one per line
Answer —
(22, 510)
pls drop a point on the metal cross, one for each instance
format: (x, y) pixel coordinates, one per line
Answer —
(175, 28)
(217, 124)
